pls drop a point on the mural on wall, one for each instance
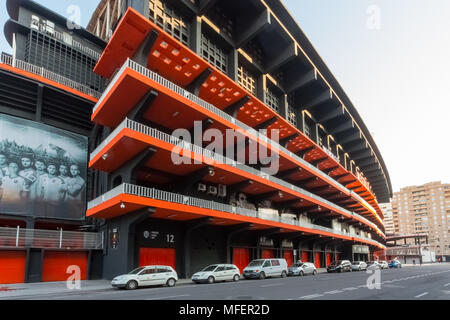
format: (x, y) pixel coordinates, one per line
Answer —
(42, 170)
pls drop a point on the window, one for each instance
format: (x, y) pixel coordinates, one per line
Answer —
(149, 271)
(292, 116)
(214, 55)
(272, 100)
(163, 270)
(220, 269)
(169, 21)
(266, 264)
(246, 79)
(275, 263)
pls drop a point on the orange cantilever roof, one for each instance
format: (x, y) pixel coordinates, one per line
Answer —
(181, 65)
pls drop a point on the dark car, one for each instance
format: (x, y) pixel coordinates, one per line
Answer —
(395, 264)
(340, 266)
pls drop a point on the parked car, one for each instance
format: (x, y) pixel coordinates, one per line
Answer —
(146, 276)
(384, 264)
(340, 266)
(359, 266)
(262, 268)
(217, 272)
(395, 264)
(302, 268)
(373, 265)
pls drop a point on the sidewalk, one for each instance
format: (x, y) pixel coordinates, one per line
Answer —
(43, 288)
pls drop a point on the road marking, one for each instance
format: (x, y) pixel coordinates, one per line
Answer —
(333, 292)
(446, 285)
(312, 296)
(349, 289)
(421, 295)
(179, 296)
(272, 285)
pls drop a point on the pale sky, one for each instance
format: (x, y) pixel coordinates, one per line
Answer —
(398, 77)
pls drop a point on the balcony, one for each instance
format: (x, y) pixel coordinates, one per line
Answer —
(133, 81)
(131, 138)
(127, 198)
(41, 74)
(51, 239)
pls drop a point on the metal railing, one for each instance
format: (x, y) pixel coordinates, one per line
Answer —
(53, 239)
(40, 71)
(219, 158)
(192, 97)
(156, 194)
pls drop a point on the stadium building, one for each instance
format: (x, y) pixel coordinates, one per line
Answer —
(161, 195)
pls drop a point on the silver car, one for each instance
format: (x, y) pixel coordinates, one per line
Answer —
(302, 268)
(384, 265)
(359, 266)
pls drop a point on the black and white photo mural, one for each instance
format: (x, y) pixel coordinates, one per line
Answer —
(42, 170)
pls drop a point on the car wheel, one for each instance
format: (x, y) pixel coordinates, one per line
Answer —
(262, 275)
(132, 285)
(283, 274)
(211, 279)
(301, 274)
(340, 270)
(314, 272)
(359, 269)
(171, 282)
(236, 278)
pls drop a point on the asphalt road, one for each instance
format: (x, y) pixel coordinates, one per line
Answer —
(429, 282)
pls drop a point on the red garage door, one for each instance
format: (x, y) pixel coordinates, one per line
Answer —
(288, 255)
(328, 259)
(157, 256)
(12, 267)
(267, 254)
(305, 256)
(317, 262)
(56, 263)
(241, 258)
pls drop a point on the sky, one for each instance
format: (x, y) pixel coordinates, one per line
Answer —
(393, 60)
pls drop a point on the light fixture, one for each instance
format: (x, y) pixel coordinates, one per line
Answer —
(172, 216)
(122, 205)
(280, 194)
(212, 173)
(105, 156)
(176, 113)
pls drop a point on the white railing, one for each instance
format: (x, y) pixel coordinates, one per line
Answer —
(192, 97)
(60, 36)
(156, 194)
(40, 71)
(218, 158)
(54, 239)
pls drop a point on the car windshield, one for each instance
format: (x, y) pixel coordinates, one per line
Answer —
(335, 263)
(356, 262)
(210, 268)
(296, 265)
(256, 263)
(136, 271)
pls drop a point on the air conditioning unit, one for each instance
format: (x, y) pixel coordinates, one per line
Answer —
(201, 187)
(222, 191)
(35, 21)
(212, 190)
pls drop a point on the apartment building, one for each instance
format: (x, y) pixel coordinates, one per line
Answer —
(424, 209)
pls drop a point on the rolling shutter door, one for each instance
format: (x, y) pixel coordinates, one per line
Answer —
(288, 255)
(12, 267)
(241, 258)
(267, 254)
(56, 263)
(157, 256)
(317, 262)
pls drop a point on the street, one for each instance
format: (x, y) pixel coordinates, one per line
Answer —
(428, 282)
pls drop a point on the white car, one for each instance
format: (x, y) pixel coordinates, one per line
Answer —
(146, 276)
(373, 265)
(359, 266)
(384, 265)
(302, 268)
(217, 272)
(262, 268)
